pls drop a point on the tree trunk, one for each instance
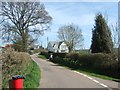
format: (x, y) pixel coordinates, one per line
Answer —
(24, 42)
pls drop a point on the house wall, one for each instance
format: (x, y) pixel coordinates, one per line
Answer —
(56, 48)
(63, 48)
(50, 48)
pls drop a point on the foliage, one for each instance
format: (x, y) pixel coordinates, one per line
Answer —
(101, 39)
(46, 54)
(101, 63)
(61, 55)
(15, 63)
(19, 19)
(17, 43)
(42, 56)
(72, 35)
(31, 48)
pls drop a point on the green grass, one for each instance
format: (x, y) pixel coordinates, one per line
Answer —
(33, 76)
(91, 73)
(87, 72)
(42, 57)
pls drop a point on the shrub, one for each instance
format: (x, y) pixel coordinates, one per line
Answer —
(37, 50)
(73, 56)
(100, 63)
(61, 55)
(13, 63)
(46, 54)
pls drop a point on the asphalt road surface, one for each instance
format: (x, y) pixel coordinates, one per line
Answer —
(55, 76)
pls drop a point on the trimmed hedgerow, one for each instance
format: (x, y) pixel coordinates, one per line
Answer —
(101, 63)
(19, 63)
(61, 55)
(46, 54)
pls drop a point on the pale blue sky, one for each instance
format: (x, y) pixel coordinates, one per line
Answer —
(80, 13)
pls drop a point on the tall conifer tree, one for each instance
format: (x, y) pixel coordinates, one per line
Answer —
(101, 36)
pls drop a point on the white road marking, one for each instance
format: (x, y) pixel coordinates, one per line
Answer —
(103, 85)
(93, 80)
(89, 77)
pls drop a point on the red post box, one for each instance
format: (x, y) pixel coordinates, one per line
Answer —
(17, 82)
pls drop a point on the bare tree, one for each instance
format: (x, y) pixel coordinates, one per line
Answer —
(17, 42)
(72, 35)
(23, 19)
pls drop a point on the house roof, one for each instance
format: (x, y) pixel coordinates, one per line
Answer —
(53, 43)
(59, 44)
(55, 46)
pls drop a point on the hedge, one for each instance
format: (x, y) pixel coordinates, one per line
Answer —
(46, 54)
(60, 55)
(101, 63)
(13, 63)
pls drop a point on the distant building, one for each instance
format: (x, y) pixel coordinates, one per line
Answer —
(60, 47)
(36, 46)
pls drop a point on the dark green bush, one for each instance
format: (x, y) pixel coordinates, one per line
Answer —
(61, 55)
(101, 63)
(31, 48)
(46, 54)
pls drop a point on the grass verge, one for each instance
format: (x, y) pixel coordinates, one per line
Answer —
(91, 73)
(42, 57)
(96, 74)
(33, 76)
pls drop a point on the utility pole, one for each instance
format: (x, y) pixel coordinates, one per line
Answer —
(47, 41)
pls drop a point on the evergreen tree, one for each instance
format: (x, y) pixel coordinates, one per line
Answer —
(101, 39)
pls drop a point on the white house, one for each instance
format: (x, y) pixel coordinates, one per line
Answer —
(36, 46)
(60, 47)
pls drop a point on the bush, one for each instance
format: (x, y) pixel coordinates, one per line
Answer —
(46, 54)
(37, 50)
(31, 48)
(13, 63)
(61, 55)
(100, 63)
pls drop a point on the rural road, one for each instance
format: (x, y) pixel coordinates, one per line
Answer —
(55, 76)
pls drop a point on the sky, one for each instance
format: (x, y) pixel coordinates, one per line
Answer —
(80, 13)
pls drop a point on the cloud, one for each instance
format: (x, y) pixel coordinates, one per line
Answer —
(78, 13)
(82, 14)
(71, 14)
